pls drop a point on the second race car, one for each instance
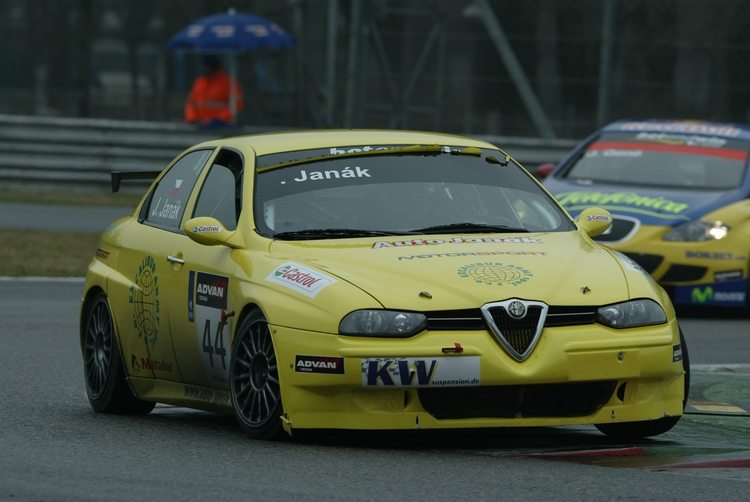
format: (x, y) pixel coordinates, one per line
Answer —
(679, 192)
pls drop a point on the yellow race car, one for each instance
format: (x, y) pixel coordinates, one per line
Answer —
(679, 192)
(373, 280)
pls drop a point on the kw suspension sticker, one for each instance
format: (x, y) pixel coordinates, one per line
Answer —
(421, 372)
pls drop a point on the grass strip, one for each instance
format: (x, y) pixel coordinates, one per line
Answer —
(46, 253)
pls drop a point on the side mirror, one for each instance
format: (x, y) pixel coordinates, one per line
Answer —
(594, 221)
(544, 170)
(210, 232)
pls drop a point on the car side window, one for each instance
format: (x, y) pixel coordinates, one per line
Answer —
(169, 198)
(221, 194)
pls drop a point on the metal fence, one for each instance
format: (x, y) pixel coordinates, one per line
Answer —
(78, 155)
(484, 67)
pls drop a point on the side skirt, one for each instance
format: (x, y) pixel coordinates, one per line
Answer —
(182, 394)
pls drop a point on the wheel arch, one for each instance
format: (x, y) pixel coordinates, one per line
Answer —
(246, 310)
(88, 297)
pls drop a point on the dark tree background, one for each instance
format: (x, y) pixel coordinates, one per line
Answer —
(419, 64)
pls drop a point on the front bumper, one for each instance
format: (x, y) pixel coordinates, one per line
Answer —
(576, 375)
(711, 273)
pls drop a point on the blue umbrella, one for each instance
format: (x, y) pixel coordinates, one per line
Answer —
(231, 32)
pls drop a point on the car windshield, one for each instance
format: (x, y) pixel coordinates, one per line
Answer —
(663, 160)
(443, 191)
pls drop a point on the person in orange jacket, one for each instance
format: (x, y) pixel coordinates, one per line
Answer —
(210, 100)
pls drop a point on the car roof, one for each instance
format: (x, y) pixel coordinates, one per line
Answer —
(277, 142)
(724, 130)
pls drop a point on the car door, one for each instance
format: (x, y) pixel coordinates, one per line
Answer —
(200, 325)
(149, 260)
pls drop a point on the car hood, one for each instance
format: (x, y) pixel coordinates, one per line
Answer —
(652, 206)
(466, 271)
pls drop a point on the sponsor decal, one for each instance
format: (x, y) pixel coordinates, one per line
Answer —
(300, 279)
(706, 255)
(495, 274)
(630, 264)
(676, 139)
(357, 149)
(636, 149)
(597, 148)
(156, 365)
(319, 364)
(135, 366)
(166, 210)
(146, 363)
(708, 294)
(144, 296)
(214, 396)
(190, 299)
(676, 353)
(421, 372)
(681, 127)
(728, 275)
(102, 254)
(625, 200)
(329, 174)
(211, 290)
(598, 217)
(457, 240)
(727, 294)
(176, 189)
(207, 229)
(472, 253)
(702, 295)
(212, 325)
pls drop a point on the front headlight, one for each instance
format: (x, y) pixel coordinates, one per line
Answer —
(387, 323)
(631, 314)
(696, 231)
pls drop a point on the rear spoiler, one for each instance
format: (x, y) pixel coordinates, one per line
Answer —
(118, 176)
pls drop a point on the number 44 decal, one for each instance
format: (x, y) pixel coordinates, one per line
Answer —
(217, 347)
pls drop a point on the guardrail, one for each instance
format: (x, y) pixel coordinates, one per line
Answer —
(44, 153)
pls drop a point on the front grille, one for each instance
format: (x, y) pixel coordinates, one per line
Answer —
(519, 333)
(618, 231)
(648, 262)
(569, 316)
(517, 401)
(683, 273)
(471, 319)
(455, 320)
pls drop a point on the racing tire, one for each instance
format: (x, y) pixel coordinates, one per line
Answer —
(646, 428)
(254, 380)
(104, 372)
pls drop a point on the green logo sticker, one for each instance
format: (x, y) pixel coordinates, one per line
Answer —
(704, 295)
(657, 207)
(144, 295)
(283, 270)
(497, 274)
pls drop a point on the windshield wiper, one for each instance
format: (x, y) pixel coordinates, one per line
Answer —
(468, 228)
(331, 233)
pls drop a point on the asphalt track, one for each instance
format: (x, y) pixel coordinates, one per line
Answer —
(54, 447)
(23, 216)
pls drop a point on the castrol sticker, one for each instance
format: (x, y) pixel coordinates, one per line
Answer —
(300, 279)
